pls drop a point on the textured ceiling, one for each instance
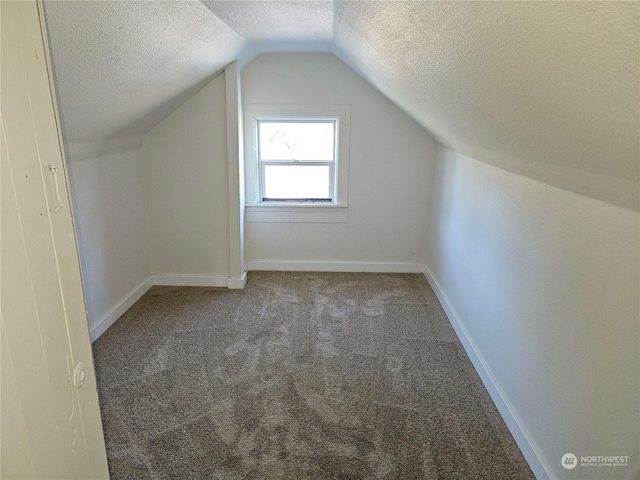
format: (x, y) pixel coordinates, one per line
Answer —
(547, 89)
(550, 90)
(122, 66)
(277, 20)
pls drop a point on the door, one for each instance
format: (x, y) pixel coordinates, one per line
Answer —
(49, 416)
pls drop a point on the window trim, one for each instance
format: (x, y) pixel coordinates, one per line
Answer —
(297, 211)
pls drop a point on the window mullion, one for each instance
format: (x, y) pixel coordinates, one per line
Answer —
(310, 163)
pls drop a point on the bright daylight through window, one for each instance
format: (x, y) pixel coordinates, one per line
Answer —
(297, 159)
(296, 163)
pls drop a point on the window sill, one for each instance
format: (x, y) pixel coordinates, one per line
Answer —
(296, 213)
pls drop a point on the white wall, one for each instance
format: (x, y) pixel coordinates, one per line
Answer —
(391, 165)
(545, 283)
(113, 238)
(185, 170)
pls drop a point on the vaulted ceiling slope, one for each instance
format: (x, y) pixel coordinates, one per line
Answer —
(550, 90)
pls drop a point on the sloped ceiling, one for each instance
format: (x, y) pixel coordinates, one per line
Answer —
(550, 90)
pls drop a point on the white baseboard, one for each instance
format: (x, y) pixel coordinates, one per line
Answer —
(238, 283)
(122, 306)
(336, 267)
(529, 449)
(191, 280)
(134, 295)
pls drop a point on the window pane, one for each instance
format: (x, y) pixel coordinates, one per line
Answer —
(296, 182)
(297, 141)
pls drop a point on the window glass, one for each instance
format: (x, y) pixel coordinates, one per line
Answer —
(303, 141)
(291, 182)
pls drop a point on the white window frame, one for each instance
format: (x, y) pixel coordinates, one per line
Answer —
(328, 163)
(297, 211)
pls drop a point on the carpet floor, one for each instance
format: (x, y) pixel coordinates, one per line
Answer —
(298, 376)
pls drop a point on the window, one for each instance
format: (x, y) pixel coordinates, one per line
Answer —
(296, 162)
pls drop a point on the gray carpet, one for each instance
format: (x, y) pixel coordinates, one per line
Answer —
(300, 375)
